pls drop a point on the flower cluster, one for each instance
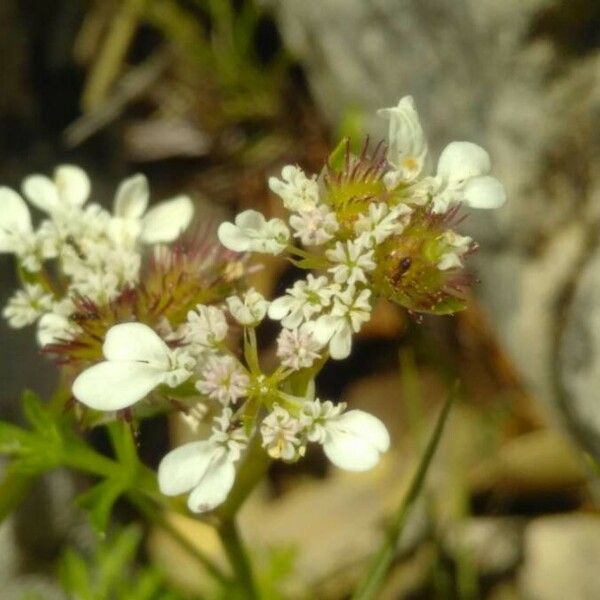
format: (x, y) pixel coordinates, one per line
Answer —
(92, 253)
(84, 269)
(376, 224)
(208, 377)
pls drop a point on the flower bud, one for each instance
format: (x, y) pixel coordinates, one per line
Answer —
(421, 269)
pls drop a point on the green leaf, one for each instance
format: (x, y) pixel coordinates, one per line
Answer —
(337, 158)
(99, 500)
(111, 559)
(36, 413)
(13, 439)
(75, 576)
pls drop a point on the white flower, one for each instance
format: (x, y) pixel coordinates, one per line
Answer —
(56, 326)
(298, 192)
(137, 361)
(353, 259)
(315, 415)
(250, 309)
(99, 285)
(302, 301)
(205, 468)
(298, 348)
(352, 440)
(223, 379)
(407, 149)
(225, 434)
(315, 226)
(69, 189)
(16, 234)
(206, 326)
(280, 433)
(253, 233)
(381, 222)
(463, 177)
(162, 223)
(26, 305)
(460, 244)
(349, 312)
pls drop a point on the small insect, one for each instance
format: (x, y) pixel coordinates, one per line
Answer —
(399, 271)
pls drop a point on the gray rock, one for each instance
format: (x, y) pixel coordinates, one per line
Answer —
(493, 544)
(560, 558)
(521, 78)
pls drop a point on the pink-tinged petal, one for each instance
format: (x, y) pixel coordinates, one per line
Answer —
(116, 385)
(462, 160)
(135, 341)
(182, 469)
(14, 217)
(42, 193)
(214, 486)
(73, 184)
(232, 237)
(131, 199)
(165, 221)
(484, 192)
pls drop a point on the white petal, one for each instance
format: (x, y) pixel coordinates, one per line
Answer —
(165, 221)
(355, 441)
(50, 327)
(41, 192)
(280, 307)
(462, 160)
(214, 487)
(116, 385)
(135, 341)
(232, 237)
(131, 199)
(73, 184)
(182, 469)
(367, 426)
(250, 219)
(350, 453)
(325, 327)
(14, 217)
(484, 192)
(341, 342)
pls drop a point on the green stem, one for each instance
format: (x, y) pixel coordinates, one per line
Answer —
(384, 557)
(234, 548)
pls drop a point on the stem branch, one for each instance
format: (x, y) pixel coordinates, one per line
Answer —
(384, 557)
(234, 548)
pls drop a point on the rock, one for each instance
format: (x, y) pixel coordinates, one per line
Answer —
(492, 543)
(520, 78)
(560, 555)
(578, 364)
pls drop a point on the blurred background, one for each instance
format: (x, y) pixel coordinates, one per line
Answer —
(210, 97)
